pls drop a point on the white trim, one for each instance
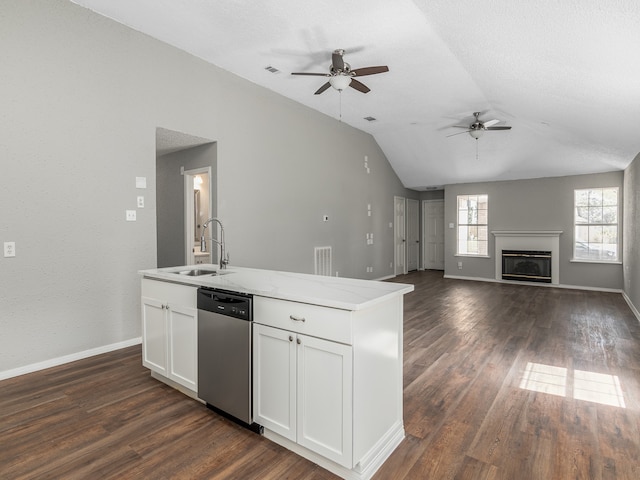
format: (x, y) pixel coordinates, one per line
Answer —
(536, 284)
(527, 233)
(631, 305)
(54, 362)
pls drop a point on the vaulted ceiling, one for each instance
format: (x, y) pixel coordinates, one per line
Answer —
(565, 75)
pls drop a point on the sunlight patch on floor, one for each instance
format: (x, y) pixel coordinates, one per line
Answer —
(589, 386)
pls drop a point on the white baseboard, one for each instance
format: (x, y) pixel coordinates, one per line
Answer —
(54, 362)
(536, 284)
(631, 305)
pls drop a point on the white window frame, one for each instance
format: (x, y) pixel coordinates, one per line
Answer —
(590, 229)
(463, 226)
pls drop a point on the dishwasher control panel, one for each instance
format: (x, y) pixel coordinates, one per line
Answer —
(230, 304)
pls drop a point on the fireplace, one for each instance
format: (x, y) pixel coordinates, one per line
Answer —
(526, 265)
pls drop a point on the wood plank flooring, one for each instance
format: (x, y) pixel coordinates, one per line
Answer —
(500, 382)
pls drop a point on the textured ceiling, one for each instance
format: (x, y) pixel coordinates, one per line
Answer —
(564, 74)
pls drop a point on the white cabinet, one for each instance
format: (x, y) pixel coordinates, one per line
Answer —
(303, 391)
(170, 331)
(327, 382)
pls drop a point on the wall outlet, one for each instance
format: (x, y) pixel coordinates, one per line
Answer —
(140, 202)
(131, 215)
(451, 225)
(9, 249)
(459, 265)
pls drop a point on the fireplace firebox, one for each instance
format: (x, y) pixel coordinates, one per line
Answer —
(526, 265)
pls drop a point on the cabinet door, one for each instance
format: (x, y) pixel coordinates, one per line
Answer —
(183, 345)
(274, 380)
(324, 398)
(154, 335)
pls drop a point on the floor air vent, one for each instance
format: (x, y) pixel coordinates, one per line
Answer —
(322, 260)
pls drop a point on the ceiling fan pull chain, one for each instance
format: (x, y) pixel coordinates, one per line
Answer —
(476, 149)
(340, 95)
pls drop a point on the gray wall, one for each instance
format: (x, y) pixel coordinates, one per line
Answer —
(538, 204)
(81, 99)
(632, 232)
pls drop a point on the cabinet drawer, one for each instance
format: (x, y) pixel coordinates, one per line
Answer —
(322, 322)
(171, 293)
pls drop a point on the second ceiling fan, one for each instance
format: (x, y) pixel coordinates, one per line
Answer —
(342, 76)
(478, 127)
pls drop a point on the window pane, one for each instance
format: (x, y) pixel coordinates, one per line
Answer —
(610, 196)
(595, 234)
(483, 233)
(595, 197)
(483, 247)
(610, 234)
(582, 233)
(482, 217)
(462, 217)
(462, 202)
(582, 197)
(609, 214)
(582, 214)
(595, 214)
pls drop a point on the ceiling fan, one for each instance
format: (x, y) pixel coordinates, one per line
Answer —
(342, 76)
(478, 127)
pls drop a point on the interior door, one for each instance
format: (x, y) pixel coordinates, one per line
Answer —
(433, 221)
(400, 237)
(413, 234)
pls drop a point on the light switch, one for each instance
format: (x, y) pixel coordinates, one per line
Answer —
(451, 225)
(141, 182)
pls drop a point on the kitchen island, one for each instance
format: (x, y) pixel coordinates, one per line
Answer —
(327, 357)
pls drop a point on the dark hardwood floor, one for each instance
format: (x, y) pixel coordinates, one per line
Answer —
(500, 382)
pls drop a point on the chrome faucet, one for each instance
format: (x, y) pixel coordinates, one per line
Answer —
(224, 257)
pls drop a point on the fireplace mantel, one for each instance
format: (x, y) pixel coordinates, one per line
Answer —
(526, 233)
(548, 240)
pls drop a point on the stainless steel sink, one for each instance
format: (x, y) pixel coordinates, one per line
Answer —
(199, 272)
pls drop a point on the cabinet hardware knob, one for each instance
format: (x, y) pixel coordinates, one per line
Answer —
(297, 319)
(290, 338)
(298, 341)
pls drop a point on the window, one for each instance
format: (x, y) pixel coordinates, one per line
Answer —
(596, 224)
(472, 224)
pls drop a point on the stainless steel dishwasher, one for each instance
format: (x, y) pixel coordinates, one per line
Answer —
(224, 353)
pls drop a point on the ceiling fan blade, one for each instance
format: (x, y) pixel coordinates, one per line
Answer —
(313, 74)
(337, 61)
(361, 87)
(502, 127)
(460, 126)
(361, 72)
(454, 134)
(490, 123)
(322, 88)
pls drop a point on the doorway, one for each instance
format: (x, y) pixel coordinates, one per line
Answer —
(413, 234)
(433, 224)
(198, 206)
(400, 236)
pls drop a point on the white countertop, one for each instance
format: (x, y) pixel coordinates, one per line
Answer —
(336, 292)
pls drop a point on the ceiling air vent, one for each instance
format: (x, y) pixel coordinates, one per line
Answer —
(271, 69)
(370, 119)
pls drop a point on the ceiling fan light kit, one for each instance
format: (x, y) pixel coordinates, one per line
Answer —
(340, 82)
(342, 76)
